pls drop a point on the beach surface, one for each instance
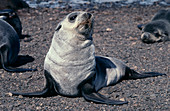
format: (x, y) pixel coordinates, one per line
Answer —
(115, 35)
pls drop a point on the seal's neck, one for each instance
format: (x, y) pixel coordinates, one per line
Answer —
(69, 47)
(73, 39)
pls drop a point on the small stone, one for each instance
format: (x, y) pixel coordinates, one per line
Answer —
(20, 96)
(1, 71)
(122, 99)
(160, 48)
(10, 94)
(2, 75)
(133, 38)
(135, 67)
(38, 108)
(108, 29)
(133, 43)
(50, 18)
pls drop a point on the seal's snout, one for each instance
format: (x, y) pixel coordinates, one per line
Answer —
(147, 37)
(86, 21)
(144, 37)
(84, 24)
(87, 15)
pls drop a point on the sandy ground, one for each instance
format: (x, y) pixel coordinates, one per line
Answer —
(115, 35)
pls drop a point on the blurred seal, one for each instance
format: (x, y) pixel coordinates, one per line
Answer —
(158, 29)
(12, 18)
(9, 48)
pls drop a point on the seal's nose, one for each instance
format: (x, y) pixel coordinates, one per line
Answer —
(145, 36)
(87, 15)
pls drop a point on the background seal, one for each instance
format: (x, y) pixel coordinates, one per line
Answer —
(9, 49)
(158, 29)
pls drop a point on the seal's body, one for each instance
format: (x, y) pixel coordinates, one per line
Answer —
(9, 47)
(9, 43)
(71, 67)
(70, 61)
(158, 29)
(12, 18)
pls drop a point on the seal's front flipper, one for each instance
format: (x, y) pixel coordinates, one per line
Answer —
(48, 91)
(89, 95)
(131, 74)
(43, 93)
(10, 69)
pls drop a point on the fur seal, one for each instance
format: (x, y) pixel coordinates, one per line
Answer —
(12, 18)
(71, 67)
(158, 29)
(9, 48)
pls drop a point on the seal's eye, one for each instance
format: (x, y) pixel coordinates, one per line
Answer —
(72, 17)
(157, 35)
(166, 33)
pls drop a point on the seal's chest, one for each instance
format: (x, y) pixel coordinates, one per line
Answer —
(70, 66)
(70, 77)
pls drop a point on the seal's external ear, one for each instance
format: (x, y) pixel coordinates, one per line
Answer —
(58, 27)
(140, 26)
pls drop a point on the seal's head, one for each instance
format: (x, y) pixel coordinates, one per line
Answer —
(155, 31)
(12, 18)
(79, 23)
(7, 14)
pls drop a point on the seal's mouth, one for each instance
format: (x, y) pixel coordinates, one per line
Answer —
(85, 26)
